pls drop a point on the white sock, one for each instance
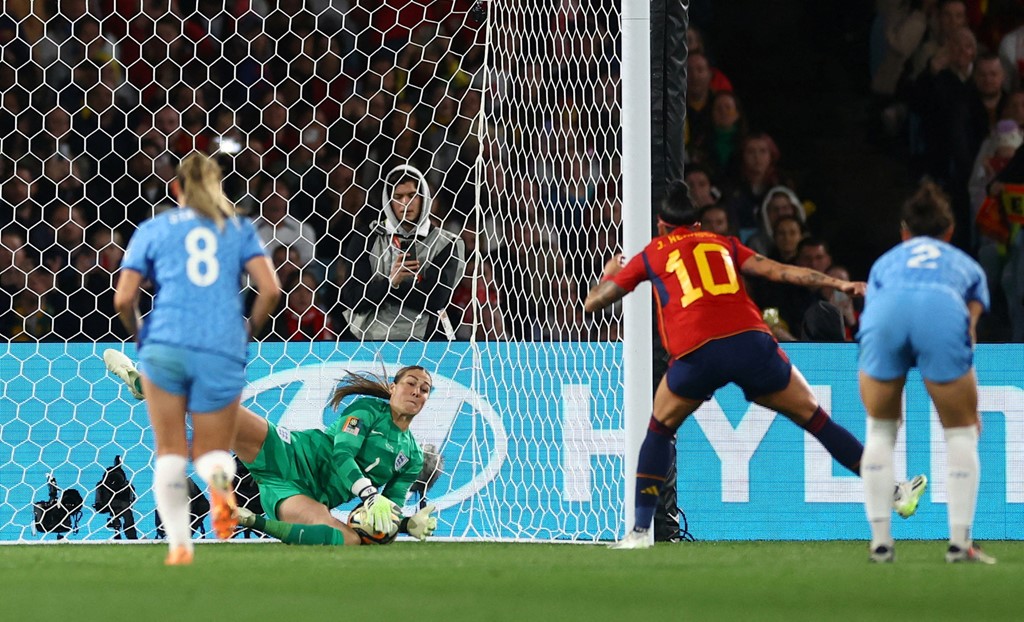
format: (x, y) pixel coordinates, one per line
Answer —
(876, 470)
(963, 474)
(170, 487)
(212, 461)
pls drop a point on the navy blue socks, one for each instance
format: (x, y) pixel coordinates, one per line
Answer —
(843, 446)
(651, 468)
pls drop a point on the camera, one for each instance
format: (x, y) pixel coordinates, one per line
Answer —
(60, 513)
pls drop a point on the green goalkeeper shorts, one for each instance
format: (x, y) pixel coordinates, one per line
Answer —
(279, 473)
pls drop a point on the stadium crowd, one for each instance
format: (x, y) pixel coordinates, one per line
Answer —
(308, 106)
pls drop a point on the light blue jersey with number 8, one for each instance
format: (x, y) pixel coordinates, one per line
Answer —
(197, 273)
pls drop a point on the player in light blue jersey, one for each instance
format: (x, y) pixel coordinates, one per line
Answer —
(192, 344)
(923, 302)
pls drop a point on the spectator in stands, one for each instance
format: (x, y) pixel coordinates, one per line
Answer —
(989, 79)
(340, 206)
(279, 228)
(39, 311)
(486, 314)
(719, 150)
(787, 234)
(286, 262)
(278, 135)
(405, 271)
(904, 26)
(993, 155)
(57, 137)
(695, 45)
(702, 190)
(790, 301)
(823, 322)
(698, 98)
(936, 53)
(302, 318)
(954, 122)
(1011, 53)
(101, 126)
(62, 181)
(715, 218)
(145, 190)
(15, 260)
(1008, 194)
(18, 194)
(813, 253)
(90, 286)
(169, 134)
(795, 305)
(62, 234)
(15, 265)
(759, 172)
(1013, 107)
(779, 202)
(845, 304)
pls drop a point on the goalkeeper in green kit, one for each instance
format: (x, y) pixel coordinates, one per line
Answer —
(368, 452)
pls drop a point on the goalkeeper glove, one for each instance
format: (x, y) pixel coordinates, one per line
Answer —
(381, 512)
(421, 524)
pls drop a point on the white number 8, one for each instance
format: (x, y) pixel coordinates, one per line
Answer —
(202, 267)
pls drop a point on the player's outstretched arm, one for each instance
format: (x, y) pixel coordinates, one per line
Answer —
(606, 292)
(761, 266)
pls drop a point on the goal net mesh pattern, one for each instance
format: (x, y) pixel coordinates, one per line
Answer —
(510, 112)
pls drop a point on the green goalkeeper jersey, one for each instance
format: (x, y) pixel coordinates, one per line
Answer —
(324, 464)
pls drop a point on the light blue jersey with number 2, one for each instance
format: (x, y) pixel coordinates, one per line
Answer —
(197, 273)
(915, 311)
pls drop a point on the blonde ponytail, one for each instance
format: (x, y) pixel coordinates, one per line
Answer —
(199, 177)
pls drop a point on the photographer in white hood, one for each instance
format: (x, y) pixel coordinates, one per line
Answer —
(403, 273)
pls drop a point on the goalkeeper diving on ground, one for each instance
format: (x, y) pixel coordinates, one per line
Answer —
(367, 453)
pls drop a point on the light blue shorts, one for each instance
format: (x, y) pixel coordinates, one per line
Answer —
(209, 381)
(925, 328)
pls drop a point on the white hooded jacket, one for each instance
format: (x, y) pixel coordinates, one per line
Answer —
(375, 310)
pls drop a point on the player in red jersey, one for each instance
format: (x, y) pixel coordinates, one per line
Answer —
(715, 335)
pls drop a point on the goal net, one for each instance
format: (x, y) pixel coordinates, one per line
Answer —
(502, 116)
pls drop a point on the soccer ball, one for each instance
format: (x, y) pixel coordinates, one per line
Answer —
(357, 521)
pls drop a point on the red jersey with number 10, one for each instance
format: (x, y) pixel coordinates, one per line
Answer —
(695, 276)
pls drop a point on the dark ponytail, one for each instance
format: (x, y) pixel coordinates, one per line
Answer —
(677, 207)
(369, 384)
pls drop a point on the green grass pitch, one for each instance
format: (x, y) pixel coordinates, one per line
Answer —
(522, 582)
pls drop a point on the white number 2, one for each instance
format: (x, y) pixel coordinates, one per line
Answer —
(924, 256)
(202, 267)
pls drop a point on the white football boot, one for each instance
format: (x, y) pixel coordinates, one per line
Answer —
(634, 540)
(122, 367)
(907, 494)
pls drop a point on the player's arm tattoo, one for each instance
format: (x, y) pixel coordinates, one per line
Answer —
(804, 276)
(602, 295)
(759, 265)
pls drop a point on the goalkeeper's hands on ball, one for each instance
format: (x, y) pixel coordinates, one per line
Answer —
(381, 513)
(421, 524)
